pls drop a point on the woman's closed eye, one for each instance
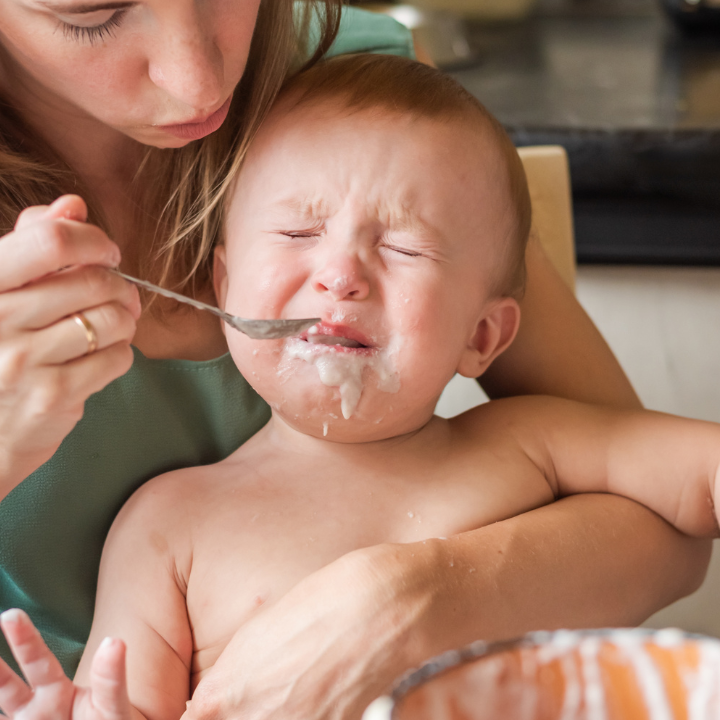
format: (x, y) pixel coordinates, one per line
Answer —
(91, 27)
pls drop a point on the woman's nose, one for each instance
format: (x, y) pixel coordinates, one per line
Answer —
(186, 62)
(343, 278)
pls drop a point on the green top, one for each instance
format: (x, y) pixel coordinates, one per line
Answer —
(160, 416)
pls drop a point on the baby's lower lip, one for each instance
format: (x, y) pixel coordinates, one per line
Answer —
(329, 343)
(333, 340)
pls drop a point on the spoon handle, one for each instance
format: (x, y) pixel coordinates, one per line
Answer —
(257, 329)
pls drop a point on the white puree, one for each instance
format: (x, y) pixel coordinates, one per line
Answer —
(347, 371)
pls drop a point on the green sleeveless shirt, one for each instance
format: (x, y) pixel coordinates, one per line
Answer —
(160, 416)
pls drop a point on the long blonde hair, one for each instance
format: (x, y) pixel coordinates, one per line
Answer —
(178, 192)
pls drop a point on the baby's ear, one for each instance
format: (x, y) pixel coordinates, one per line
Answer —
(493, 334)
(220, 280)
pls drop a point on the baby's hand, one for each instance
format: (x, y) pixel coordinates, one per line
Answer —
(50, 693)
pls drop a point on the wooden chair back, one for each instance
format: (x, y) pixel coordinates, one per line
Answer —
(548, 174)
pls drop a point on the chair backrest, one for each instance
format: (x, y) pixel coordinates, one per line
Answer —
(548, 175)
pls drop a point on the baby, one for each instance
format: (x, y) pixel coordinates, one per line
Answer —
(382, 198)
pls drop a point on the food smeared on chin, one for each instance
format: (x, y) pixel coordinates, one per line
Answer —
(344, 359)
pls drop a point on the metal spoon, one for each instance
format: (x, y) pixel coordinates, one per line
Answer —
(256, 329)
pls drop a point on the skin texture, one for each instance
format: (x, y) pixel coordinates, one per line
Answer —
(200, 558)
(97, 102)
(389, 256)
(54, 84)
(158, 63)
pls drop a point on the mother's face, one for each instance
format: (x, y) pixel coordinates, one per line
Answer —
(138, 66)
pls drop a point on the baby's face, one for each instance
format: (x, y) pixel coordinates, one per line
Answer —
(386, 227)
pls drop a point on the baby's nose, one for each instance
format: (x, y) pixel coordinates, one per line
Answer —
(343, 278)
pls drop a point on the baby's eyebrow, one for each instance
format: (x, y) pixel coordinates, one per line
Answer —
(404, 218)
(304, 207)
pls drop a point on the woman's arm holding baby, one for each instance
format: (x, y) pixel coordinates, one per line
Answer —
(558, 351)
(345, 633)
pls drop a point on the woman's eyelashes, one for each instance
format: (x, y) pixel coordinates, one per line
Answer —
(93, 33)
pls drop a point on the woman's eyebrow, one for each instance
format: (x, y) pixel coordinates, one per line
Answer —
(79, 9)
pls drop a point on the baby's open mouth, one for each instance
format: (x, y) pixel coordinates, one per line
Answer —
(336, 335)
(333, 340)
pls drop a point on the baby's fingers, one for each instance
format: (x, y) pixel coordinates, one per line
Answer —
(14, 693)
(108, 683)
(38, 664)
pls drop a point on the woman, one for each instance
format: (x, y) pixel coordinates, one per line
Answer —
(136, 105)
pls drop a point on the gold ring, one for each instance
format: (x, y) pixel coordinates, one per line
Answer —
(90, 333)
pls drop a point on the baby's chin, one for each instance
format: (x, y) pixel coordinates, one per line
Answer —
(321, 416)
(302, 401)
(343, 394)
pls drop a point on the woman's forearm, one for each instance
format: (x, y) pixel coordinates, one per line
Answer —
(586, 561)
(344, 634)
(558, 351)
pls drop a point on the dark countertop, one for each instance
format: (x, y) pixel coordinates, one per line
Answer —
(635, 102)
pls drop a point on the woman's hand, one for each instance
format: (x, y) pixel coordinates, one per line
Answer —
(50, 693)
(52, 266)
(343, 635)
(328, 648)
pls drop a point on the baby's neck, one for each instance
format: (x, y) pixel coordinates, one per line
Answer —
(287, 438)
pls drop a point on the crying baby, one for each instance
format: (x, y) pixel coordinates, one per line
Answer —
(382, 198)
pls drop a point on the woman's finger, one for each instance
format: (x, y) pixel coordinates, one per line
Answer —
(108, 683)
(37, 663)
(48, 245)
(78, 379)
(43, 303)
(30, 215)
(14, 691)
(70, 207)
(71, 338)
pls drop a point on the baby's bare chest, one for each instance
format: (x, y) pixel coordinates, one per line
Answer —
(258, 539)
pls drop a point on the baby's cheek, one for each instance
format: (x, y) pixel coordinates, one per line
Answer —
(257, 360)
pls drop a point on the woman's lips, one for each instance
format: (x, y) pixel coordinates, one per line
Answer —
(195, 131)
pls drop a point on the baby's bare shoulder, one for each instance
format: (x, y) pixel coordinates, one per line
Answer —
(516, 428)
(511, 416)
(165, 507)
(171, 492)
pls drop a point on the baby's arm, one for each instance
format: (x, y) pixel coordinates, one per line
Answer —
(670, 464)
(140, 599)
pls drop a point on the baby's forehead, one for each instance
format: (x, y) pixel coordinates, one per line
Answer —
(304, 117)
